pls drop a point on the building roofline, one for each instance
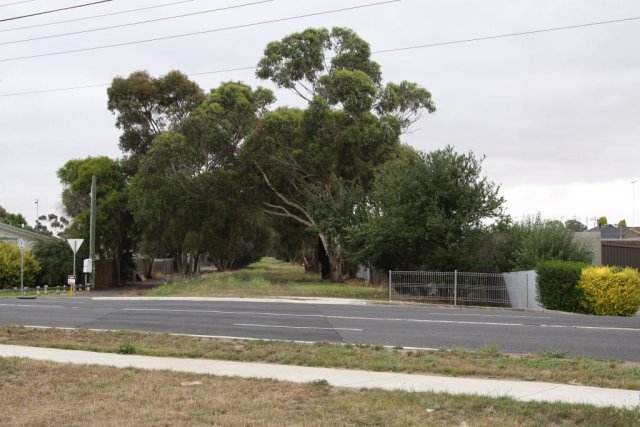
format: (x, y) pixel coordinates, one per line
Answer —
(24, 233)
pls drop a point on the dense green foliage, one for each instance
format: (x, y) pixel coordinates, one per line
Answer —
(574, 225)
(610, 291)
(427, 211)
(146, 106)
(558, 285)
(522, 245)
(113, 219)
(14, 219)
(10, 266)
(56, 261)
(192, 193)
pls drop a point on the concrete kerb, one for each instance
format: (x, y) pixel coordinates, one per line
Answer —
(518, 390)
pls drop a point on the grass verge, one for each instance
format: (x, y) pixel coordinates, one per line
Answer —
(489, 362)
(267, 277)
(44, 393)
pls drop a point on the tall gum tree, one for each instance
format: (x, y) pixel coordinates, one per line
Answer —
(318, 161)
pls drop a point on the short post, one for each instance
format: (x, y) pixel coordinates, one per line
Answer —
(21, 244)
(389, 285)
(37, 290)
(57, 290)
(15, 290)
(46, 289)
(455, 287)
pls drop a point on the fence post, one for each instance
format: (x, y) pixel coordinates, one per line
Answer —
(455, 288)
(389, 285)
(527, 288)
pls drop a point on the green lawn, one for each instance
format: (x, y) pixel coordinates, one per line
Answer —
(267, 277)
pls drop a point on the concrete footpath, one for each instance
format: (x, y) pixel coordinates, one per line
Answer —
(519, 390)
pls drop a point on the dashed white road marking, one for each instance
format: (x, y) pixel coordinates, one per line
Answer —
(255, 325)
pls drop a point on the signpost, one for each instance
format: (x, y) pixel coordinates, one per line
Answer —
(21, 246)
(75, 245)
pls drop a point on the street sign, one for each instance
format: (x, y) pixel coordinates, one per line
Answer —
(71, 280)
(75, 244)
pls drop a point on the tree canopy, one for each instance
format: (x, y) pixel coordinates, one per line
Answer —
(427, 211)
(316, 161)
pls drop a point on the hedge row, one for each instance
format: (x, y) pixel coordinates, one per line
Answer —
(578, 288)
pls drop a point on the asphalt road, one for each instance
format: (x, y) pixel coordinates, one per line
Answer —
(407, 326)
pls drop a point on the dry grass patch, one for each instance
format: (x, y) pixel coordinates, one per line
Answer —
(489, 362)
(43, 394)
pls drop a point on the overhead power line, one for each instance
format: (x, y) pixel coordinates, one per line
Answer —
(91, 30)
(16, 2)
(176, 36)
(382, 51)
(521, 33)
(55, 10)
(84, 18)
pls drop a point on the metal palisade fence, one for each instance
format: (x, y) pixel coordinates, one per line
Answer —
(515, 290)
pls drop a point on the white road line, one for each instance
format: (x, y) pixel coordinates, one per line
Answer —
(296, 327)
(36, 305)
(490, 315)
(601, 328)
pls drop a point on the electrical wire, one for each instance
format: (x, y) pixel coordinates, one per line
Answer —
(55, 10)
(17, 2)
(176, 36)
(521, 33)
(91, 30)
(375, 52)
(84, 18)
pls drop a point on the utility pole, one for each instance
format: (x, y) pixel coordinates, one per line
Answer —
(37, 216)
(92, 232)
(633, 198)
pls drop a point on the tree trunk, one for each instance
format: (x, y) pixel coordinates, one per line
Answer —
(333, 255)
(323, 260)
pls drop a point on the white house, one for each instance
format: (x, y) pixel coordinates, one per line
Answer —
(13, 234)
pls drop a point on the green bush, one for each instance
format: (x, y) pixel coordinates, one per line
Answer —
(610, 291)
(558, 285)
(10, 266)
(56, 259)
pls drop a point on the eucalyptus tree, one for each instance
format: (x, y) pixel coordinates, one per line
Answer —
(317, 162)
(192, 194)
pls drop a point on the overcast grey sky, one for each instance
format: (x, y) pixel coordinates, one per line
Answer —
(557, 114)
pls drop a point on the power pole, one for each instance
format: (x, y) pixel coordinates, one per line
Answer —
(633, 198)
(37, 216)
(92, 232)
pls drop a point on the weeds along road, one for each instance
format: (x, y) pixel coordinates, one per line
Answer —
(406, 326)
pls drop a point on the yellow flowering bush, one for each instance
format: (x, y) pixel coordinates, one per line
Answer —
(10, 266)
(610, 291)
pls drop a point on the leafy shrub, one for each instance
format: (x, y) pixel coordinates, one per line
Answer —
(558, 285)
(126, 348)
(10, 266)
(56, 260)
(610, 291)
(524, 244)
